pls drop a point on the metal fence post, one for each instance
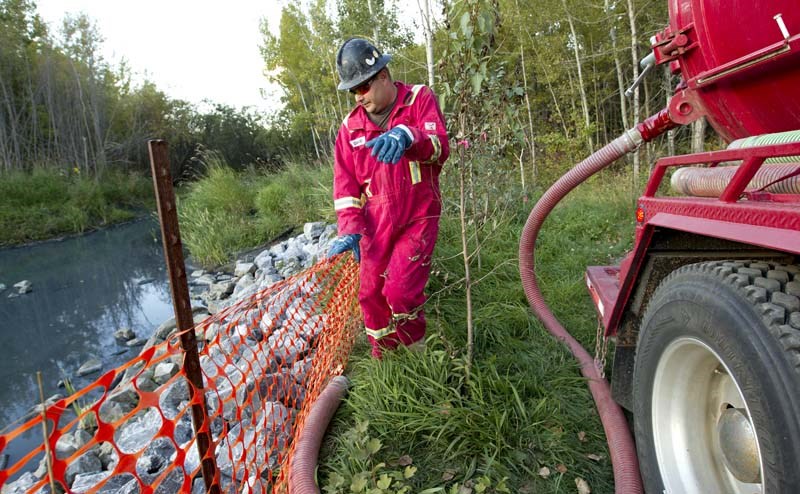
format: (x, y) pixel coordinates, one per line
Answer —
(173, 253)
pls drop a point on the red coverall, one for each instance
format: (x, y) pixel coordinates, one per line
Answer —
(396, 209)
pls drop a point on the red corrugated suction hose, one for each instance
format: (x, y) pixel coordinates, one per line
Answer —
(620, 442)
(304, 460)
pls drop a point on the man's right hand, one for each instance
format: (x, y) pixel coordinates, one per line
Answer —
(345, 243)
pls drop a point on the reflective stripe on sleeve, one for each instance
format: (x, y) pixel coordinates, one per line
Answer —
(380, 333)
(346, 202)
(414, 92)
(416, 176)
(437, 149)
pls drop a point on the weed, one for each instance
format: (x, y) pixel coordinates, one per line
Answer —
(229, 211)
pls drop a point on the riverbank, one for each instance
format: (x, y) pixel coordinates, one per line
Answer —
(45, 204)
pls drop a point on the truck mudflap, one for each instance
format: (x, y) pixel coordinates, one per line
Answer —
(603, 284)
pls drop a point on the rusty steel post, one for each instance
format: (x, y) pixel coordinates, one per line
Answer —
(173, 252)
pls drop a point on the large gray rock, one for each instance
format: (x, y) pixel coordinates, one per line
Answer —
(219, 291)
(269, 279)
(90, 367)
(138, 431)
(286, 348)
(85, 481)
(71, 442)
(313, 230)
(154, 459)
(88, 462)
(21, 485)
(245, 292)
(243, 268)
(124, 334)
(264, 260)
(278, 249)
(244, 282)
(23, 286)
(168, 327)
(164, 371)
(206, 279)
(173, 396)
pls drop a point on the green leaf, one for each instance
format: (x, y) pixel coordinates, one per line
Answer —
(501, 486)
(384, 482)
(409, 471)
(487, 20)
(377, 467)
(359, 484)
(373, 445)
(335, 480)
(361, 454)
(465, 27)
(477, 80)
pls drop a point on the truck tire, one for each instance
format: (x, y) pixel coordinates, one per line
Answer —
(716, 384)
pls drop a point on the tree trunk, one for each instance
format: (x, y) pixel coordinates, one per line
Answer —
(623, 102)
(426, 25)
(465, 256)
(564, 126)
(14, 154)
(531, 138)
(668, 92)
(305, 108)
(635, 61)
(698, 135)
(374, 23)
(582, 89)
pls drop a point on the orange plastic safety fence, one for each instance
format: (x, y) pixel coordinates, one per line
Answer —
(264, 362)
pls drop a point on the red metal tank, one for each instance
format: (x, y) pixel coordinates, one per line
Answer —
(740, 63)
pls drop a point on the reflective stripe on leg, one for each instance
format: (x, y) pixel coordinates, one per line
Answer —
(380, 333)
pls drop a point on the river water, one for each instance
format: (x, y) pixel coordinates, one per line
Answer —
(84, 289)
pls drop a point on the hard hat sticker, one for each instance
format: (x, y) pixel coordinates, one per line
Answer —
(370, 61)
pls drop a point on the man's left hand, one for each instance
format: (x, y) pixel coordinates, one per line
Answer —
(390, 146)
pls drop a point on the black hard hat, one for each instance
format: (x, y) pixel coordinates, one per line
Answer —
(357, 61)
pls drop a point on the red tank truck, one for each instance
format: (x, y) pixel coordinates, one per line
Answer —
(705, 310)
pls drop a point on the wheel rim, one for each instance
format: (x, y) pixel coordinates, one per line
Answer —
(694, 397)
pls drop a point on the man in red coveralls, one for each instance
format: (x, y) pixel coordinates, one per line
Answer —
(389, 152)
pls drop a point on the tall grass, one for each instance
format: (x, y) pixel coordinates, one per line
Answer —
(44, 204)
(227, 211)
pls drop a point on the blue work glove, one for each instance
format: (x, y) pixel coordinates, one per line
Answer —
(345, 243)
(390, 146)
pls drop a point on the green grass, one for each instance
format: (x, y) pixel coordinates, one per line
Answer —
(228, 212)
(45, 203)
(526, 402)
